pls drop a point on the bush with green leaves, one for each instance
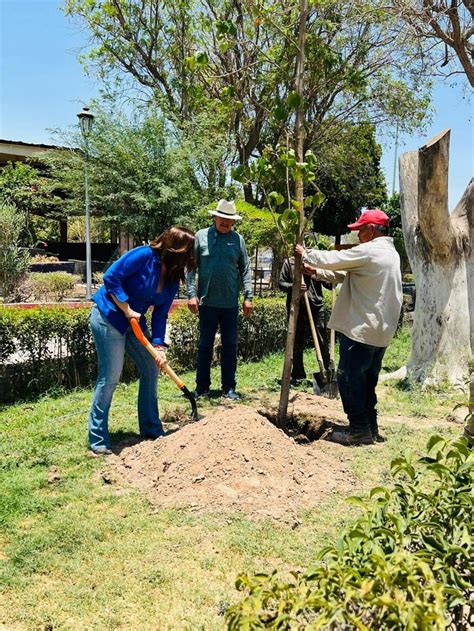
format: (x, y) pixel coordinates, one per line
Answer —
(46, 348)
(14, 260)
(54, 286)
(264, 332)
(406, 563)
(257, 226)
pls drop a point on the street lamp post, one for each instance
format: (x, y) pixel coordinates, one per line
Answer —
(86, 119)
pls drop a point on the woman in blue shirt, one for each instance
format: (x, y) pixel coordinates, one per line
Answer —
(143, 277)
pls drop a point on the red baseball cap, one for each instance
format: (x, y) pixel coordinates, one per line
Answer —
(372, 215)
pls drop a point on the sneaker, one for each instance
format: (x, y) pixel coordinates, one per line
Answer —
(351, 439)
(378, 438)
(201, 393)
(101, 451)
(231, 394)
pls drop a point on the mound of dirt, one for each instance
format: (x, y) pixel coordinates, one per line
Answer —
(234, 460)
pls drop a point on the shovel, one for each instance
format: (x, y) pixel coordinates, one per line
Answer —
(321, 377)
(136, 328)
(333, 388)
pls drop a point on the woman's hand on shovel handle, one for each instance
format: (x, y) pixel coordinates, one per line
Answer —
(160, 359)
(131, 314)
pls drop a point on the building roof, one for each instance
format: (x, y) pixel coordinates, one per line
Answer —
(19, 151)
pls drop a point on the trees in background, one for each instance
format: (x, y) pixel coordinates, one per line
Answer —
(234, 62)
(14, 260)
(35, 195)
(348, 173)
(141, 179)
(444, 33)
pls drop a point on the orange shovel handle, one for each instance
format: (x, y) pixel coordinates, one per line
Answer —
(137, 329)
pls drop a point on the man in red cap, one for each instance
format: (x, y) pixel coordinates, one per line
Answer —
(365, 315)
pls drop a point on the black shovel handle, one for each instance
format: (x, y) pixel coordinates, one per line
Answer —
(136, 328)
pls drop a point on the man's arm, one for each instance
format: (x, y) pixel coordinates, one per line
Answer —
(328, 277)
(193, 302)
(246, 278)
(336, 260)
(285, 282)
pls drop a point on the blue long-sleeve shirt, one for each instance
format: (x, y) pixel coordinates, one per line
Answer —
(223, 267)
(134, 279)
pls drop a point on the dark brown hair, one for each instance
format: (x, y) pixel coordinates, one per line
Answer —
(176, 246)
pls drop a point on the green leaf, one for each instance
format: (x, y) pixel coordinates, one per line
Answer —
(202, 58)
(190, 62)
(228, 92)
(379, 490)
(318, 199)
(294, 100)
(434, 440)
(357, 501)
(280, 113)
(276, 199)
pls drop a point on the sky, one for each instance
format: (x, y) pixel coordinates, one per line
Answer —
(43, 87)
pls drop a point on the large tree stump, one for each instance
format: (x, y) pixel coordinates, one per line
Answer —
(439, 248)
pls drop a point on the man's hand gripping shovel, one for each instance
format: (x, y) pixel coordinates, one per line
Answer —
(166, 368)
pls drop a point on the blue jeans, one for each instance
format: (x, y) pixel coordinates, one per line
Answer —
(357, 376)
(209, 319)
(111, 347)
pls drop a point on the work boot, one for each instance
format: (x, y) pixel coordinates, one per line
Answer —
(374, 430)
(231, 394)
(351, 439)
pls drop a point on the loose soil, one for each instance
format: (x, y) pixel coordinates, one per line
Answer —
(236, 460)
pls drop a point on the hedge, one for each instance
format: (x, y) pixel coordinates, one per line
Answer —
(55, 349)
(263, 333)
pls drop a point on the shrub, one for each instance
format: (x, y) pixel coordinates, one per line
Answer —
(53, 286)
(14, 260)
(54, 349)
(405, 564)
(44, 258)
(263, 333)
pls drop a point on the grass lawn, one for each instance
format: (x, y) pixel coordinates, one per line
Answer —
(77, 553)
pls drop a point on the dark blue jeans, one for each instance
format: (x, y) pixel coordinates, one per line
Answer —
(209, 319)
(357, 376)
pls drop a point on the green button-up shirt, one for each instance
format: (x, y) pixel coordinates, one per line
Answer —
(223, 266)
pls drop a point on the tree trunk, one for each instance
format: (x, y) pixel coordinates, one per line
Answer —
(439, 250)
(295, 294)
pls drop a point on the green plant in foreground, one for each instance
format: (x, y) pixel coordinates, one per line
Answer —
(404, 564)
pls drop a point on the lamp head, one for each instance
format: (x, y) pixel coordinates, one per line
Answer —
(86, 119)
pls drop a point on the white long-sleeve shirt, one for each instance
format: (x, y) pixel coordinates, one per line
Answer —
(370, 299)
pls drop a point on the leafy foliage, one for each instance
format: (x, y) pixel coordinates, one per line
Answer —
(55, 350)
(234, 62)
(350, 176)
(392, 208)
(259, 335)
(49, 286)
(406, 563)
(140, 180)
(33, 192)
(257, 226)
(13, 260)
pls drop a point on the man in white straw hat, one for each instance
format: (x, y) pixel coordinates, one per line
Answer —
(223, 266)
